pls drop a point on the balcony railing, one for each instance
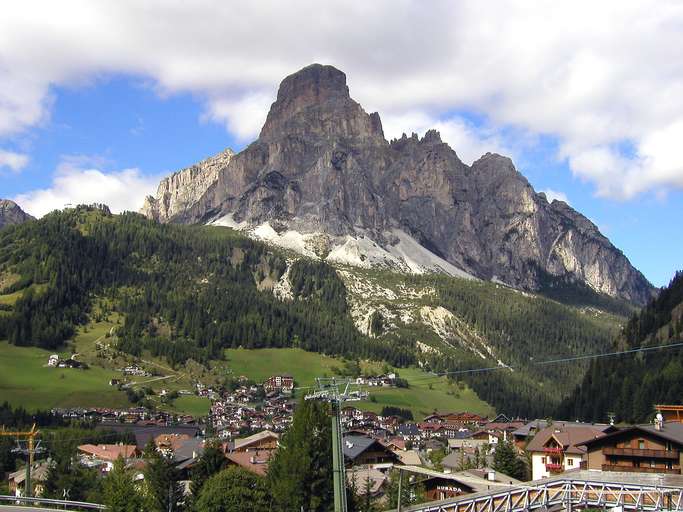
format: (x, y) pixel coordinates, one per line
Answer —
(642, 469)
(548, 449)
(554, 468)
(641, 452)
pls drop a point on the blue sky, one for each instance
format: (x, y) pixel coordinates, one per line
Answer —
(98, 100)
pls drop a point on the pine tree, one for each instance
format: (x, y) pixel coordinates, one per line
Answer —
(164, 491)
(119, 491)
(210, 463)
(506, 460)
(300, 472)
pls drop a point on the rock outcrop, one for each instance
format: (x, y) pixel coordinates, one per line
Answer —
(184, 188)
(322, 165)
(11, 213)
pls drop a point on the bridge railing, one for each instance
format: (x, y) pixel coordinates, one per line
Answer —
(62, 504)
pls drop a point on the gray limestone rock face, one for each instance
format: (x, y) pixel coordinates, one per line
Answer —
(183, 189)
(322, 164)
(11, 213)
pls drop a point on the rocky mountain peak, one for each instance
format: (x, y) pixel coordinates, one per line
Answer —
(315, 101)
(313, 84)
(11, 213)
(321, 169)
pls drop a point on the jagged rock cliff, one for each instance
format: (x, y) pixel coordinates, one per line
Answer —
(184, 188)
(11, 213)
(321, 178)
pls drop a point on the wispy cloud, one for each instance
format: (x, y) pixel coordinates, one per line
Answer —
(15, 162)
(78, 179)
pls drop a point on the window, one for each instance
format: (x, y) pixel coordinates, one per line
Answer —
(652, 464)
(542, 460)
(570, 462)
(641, 444)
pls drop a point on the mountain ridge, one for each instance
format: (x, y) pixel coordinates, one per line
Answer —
(322, 166)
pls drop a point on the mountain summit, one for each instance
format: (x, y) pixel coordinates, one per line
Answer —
(11, 213)
(322, 179)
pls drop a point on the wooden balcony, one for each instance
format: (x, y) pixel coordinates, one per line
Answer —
(642, 469)
(637, 452)
(554, 468)
(548, 449)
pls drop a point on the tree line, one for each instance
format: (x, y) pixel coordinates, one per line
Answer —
(629, 385)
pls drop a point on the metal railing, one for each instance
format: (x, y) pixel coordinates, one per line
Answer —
(62, 504)
(570, 494)
(640, 469)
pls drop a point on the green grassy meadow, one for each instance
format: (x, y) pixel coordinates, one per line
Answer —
(26, 380)
(259, 364)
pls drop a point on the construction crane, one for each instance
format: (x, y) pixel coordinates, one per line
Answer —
(336, 392)
(30, 436)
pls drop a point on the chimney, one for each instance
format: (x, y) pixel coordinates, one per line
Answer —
(491, 476)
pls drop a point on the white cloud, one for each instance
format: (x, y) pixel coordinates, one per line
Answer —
(13, 161)
(553, 195)
(78, 181)
(243, 117)
(597, 76)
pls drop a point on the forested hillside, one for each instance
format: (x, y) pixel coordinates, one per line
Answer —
(629, 385)
(189, 292)
(185, 291)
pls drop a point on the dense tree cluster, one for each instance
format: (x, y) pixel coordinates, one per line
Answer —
(390, 410)
(629, 385)
(522, 333)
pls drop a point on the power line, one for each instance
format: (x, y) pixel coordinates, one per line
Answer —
(555, 361)
(535, 363)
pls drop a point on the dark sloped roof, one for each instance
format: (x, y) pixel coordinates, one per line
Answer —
(532, 425)
(571, 436)
(354, 446)
(671, 431)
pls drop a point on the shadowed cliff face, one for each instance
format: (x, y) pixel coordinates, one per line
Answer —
(321, 164)
(11, 213)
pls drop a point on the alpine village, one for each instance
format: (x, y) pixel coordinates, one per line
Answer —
(332, 320)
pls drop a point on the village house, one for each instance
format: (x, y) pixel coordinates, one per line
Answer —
(457, 419)
(524, 434)
(441, 486)
(560, 447)
(367, 480)
(254, 461)
(17, 479)
(646, 448)
(670, 412)
(261, 441)
(409, 432)
(282, 383)
(167, 444)
(104, 455)
(362, 450)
